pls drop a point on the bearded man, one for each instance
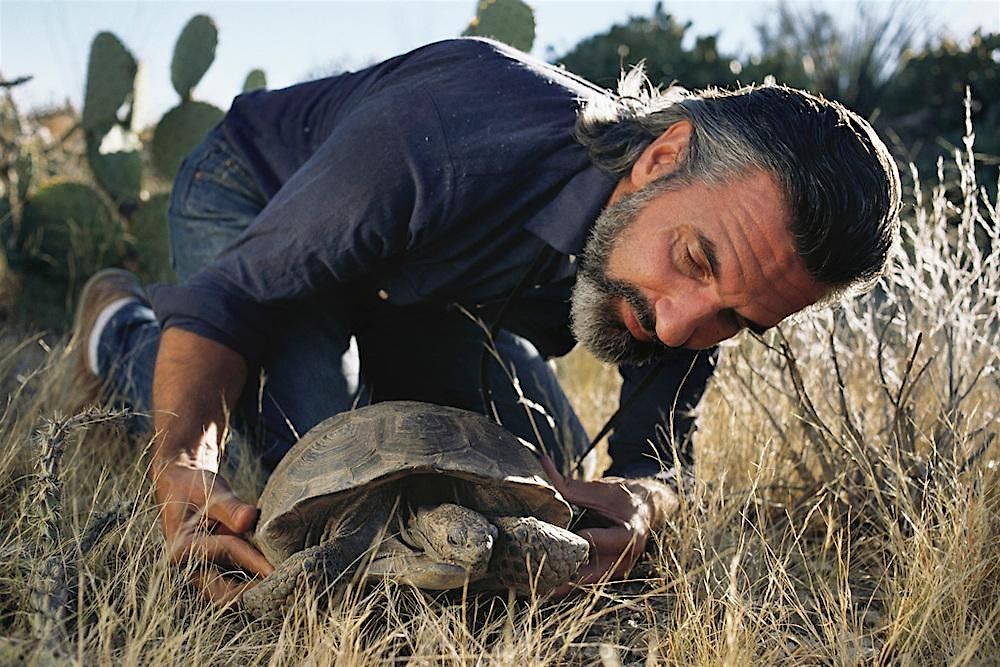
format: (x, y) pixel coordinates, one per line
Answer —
(343, 241)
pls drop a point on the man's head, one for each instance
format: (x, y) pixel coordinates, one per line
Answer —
(734, 210)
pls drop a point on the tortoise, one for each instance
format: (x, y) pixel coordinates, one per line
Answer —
(427, 495)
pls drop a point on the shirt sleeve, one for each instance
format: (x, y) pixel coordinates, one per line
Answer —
(655, 429)
(379, 186)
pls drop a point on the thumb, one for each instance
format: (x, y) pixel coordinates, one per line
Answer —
(233, 513)
(552, 472)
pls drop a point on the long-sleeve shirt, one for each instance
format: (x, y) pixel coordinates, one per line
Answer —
(432, 178)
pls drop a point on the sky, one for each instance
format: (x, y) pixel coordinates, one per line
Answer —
(295, 40)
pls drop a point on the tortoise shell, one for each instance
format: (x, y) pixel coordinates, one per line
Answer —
(428, 453)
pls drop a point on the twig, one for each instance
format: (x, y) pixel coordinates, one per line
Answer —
(845, 412)
(10, 83)
(978, 454)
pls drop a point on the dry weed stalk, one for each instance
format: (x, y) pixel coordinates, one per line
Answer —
(54, 582)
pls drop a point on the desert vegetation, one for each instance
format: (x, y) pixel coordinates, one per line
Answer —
(846, 509)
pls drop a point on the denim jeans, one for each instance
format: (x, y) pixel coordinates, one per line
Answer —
(335, 354)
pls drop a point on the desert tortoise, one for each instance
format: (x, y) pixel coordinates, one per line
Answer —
(428, 495)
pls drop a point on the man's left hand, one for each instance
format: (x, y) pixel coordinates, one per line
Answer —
(632, 507)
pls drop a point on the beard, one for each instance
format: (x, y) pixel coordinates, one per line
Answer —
(594, 317)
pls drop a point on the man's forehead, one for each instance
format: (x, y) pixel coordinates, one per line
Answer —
(751, 248)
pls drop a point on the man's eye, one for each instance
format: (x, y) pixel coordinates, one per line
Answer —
(694, 267)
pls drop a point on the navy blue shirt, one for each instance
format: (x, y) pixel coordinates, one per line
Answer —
(435, 177)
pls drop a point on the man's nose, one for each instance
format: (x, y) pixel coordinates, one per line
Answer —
(679, 318)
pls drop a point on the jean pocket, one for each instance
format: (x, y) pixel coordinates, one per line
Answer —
(213, 183)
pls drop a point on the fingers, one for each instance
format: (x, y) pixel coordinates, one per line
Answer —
(208, 550)
(211, 494)
(569, 488)
(613, 549)
(224, 549)
(218, 587)
(613, 553)
(589, 574)
(230, 511)
(204, 523)
(610, 499)
(552, 472)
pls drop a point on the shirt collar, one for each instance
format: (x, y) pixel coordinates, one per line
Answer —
(566, 220)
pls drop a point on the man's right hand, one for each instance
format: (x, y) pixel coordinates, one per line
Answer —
(205, 521)
(194, 387)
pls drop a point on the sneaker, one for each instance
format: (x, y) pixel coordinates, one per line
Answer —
(104, 288)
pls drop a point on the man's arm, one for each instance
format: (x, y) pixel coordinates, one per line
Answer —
(195, 384)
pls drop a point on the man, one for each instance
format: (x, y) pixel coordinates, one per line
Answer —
(367, 237)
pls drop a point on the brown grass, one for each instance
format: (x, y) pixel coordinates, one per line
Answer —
(847, 509)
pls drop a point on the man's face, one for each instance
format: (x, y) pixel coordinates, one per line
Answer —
(691, 267)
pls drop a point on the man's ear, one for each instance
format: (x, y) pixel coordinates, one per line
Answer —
(663, 155)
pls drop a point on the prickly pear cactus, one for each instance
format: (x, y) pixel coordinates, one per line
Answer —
(118, 172)
(110, 82)
(44, 300)
(255, 80)
(69, 231)
(509, 21)
(179, 131)
(193, 54)
(149, 229)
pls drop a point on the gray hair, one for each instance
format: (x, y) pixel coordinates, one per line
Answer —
(839, 180)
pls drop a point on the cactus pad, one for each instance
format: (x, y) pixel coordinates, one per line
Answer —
(255, 80)
(149, 228)
(509, 21)
(179, 131)
(110, 82)
(119, 173)
(193, 54)
(68, 229)
(43, 300)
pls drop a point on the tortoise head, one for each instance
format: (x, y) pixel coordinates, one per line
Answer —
(452, 533)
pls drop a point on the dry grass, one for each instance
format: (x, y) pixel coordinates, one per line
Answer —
(847, 510)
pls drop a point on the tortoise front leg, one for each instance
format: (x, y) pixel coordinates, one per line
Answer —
(314, 569)
(532, 555)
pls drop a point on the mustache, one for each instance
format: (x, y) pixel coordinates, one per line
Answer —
(618, 288)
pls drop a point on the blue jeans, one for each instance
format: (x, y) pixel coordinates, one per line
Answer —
(335, 354)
